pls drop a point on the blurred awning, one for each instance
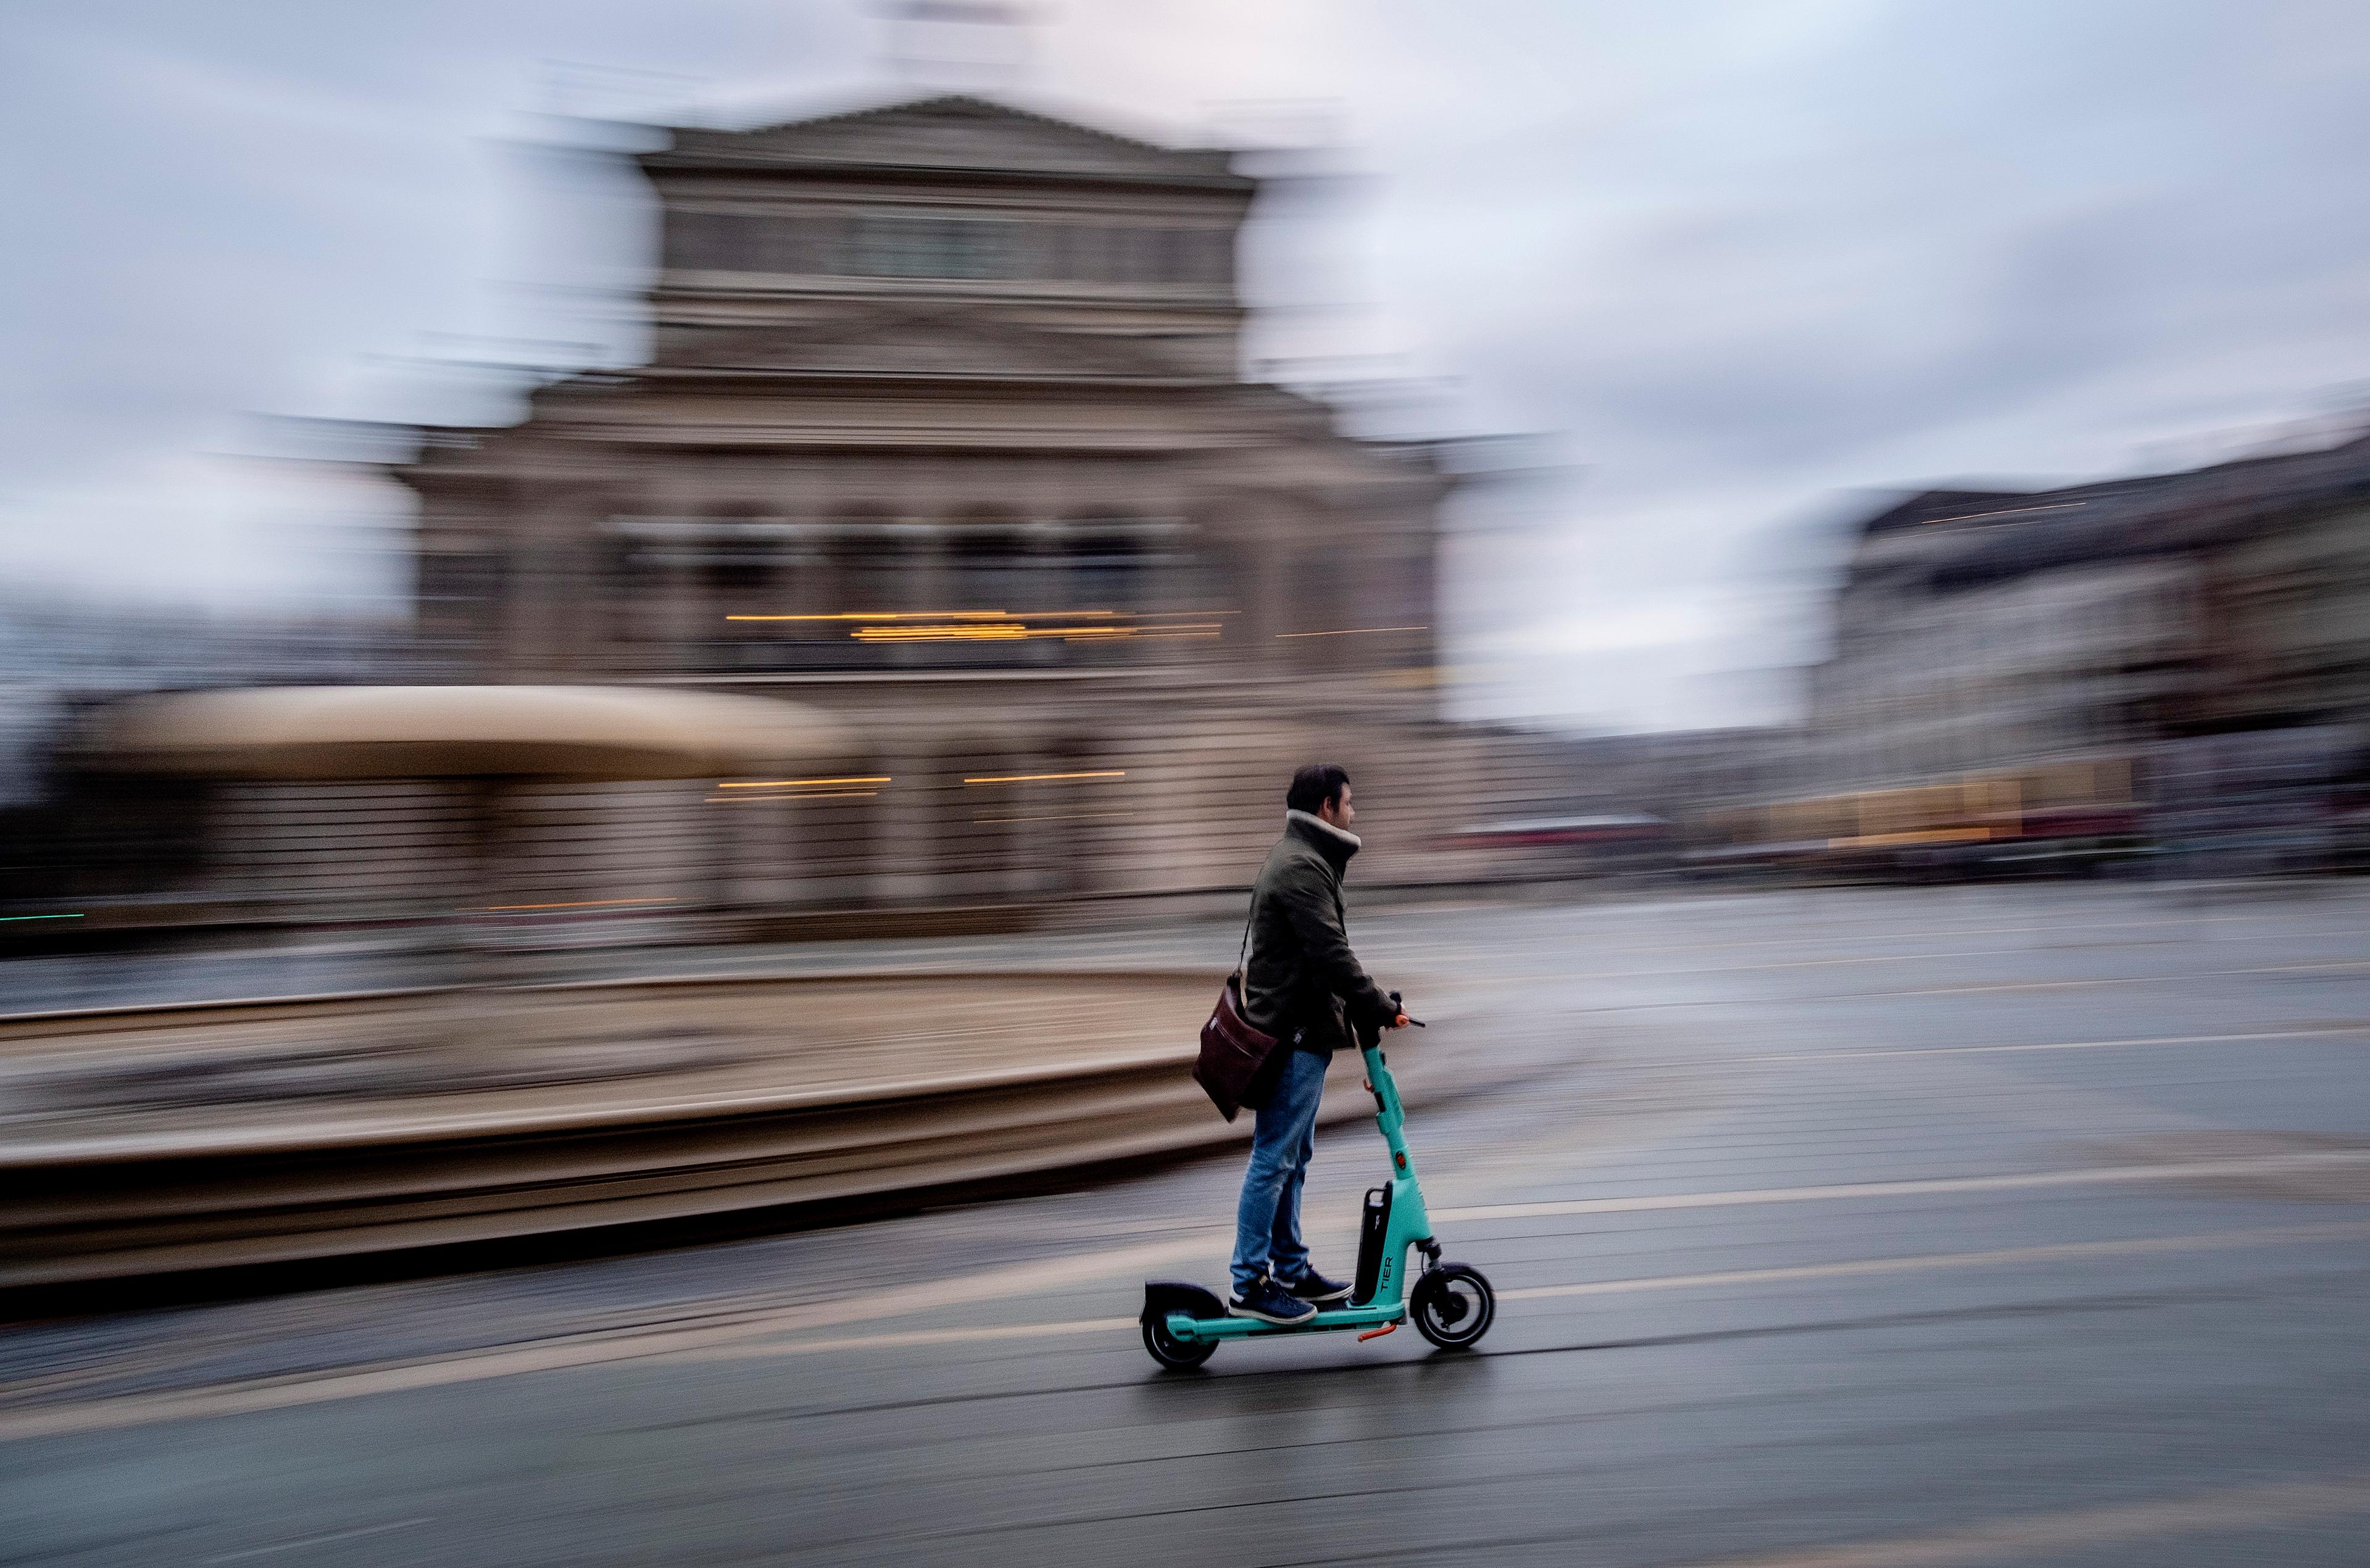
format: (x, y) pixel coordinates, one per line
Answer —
(358, 732)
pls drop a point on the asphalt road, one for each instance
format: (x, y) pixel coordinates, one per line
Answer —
(1836, 1229)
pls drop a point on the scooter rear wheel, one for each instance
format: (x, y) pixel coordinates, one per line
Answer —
(1177, 1355)
(1454, 1306)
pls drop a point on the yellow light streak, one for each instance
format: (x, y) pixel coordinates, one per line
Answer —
(1354, 632)
(999, 632)
(944, 615)
(1045, 778)
(791, 784)
(1005, 625)
(1002, 632)
(784, 799)
(574, 904)
(984, 617)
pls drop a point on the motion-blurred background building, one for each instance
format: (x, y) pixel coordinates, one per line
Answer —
(944, 434)
(2156, 660)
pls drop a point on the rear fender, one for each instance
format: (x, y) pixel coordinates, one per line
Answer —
(1163, 1296)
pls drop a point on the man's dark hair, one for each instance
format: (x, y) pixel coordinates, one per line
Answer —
(1319, 784)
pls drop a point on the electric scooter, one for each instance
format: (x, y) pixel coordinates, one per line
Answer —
(1452, 1303)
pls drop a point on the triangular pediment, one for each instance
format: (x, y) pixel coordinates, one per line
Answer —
(955, 132)
(890, 342)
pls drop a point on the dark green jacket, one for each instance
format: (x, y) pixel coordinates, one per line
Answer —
(1301, 977)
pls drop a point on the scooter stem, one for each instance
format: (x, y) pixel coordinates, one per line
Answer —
(1389, 1116)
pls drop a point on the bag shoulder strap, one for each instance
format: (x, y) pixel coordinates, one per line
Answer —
(1251, 918)
(1243, 958)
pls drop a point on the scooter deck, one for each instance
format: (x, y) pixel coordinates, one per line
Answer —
(1204, 1330)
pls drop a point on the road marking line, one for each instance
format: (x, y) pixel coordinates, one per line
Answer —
(908, 1337)
(615, 1347)
(1498, 983)
(1938, 957)
(1857, 1267)
(2021, 1536)
(2058, 928)
(2211, 1241)
(317, 1541)
(630, 1345)
(1801, 964)
(2105, 980)
(2100, 1175)
(2333, 1032)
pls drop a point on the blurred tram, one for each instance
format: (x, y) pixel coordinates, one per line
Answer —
(2077, 816)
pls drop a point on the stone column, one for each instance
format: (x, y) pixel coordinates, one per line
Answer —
(904, 855)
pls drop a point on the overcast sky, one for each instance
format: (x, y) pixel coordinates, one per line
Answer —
(1733, 260)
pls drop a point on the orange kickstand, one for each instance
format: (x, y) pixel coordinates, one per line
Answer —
(1377, 1333)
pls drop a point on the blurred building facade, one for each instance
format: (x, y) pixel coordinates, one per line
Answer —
(944, 432)
(2088, 649)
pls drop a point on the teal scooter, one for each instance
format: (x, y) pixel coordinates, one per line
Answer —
(1452, 1303)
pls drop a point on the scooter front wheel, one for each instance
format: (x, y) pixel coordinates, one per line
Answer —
(1177, 1355)
(1454, 1306)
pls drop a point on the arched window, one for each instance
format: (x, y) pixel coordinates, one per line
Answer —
(989, 556)
(871, 561)
(1223, 573)
(1105, 566)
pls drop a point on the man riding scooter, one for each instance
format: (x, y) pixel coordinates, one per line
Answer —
(1303, 985)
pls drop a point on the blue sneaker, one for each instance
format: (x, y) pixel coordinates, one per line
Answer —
(1267, 1302)
(1314, 1286)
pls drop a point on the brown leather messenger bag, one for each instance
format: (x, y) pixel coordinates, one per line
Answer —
(1232, 1068)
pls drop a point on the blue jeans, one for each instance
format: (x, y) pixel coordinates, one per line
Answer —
(1267, 1220)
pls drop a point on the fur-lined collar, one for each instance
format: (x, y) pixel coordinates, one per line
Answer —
(1347, 839)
